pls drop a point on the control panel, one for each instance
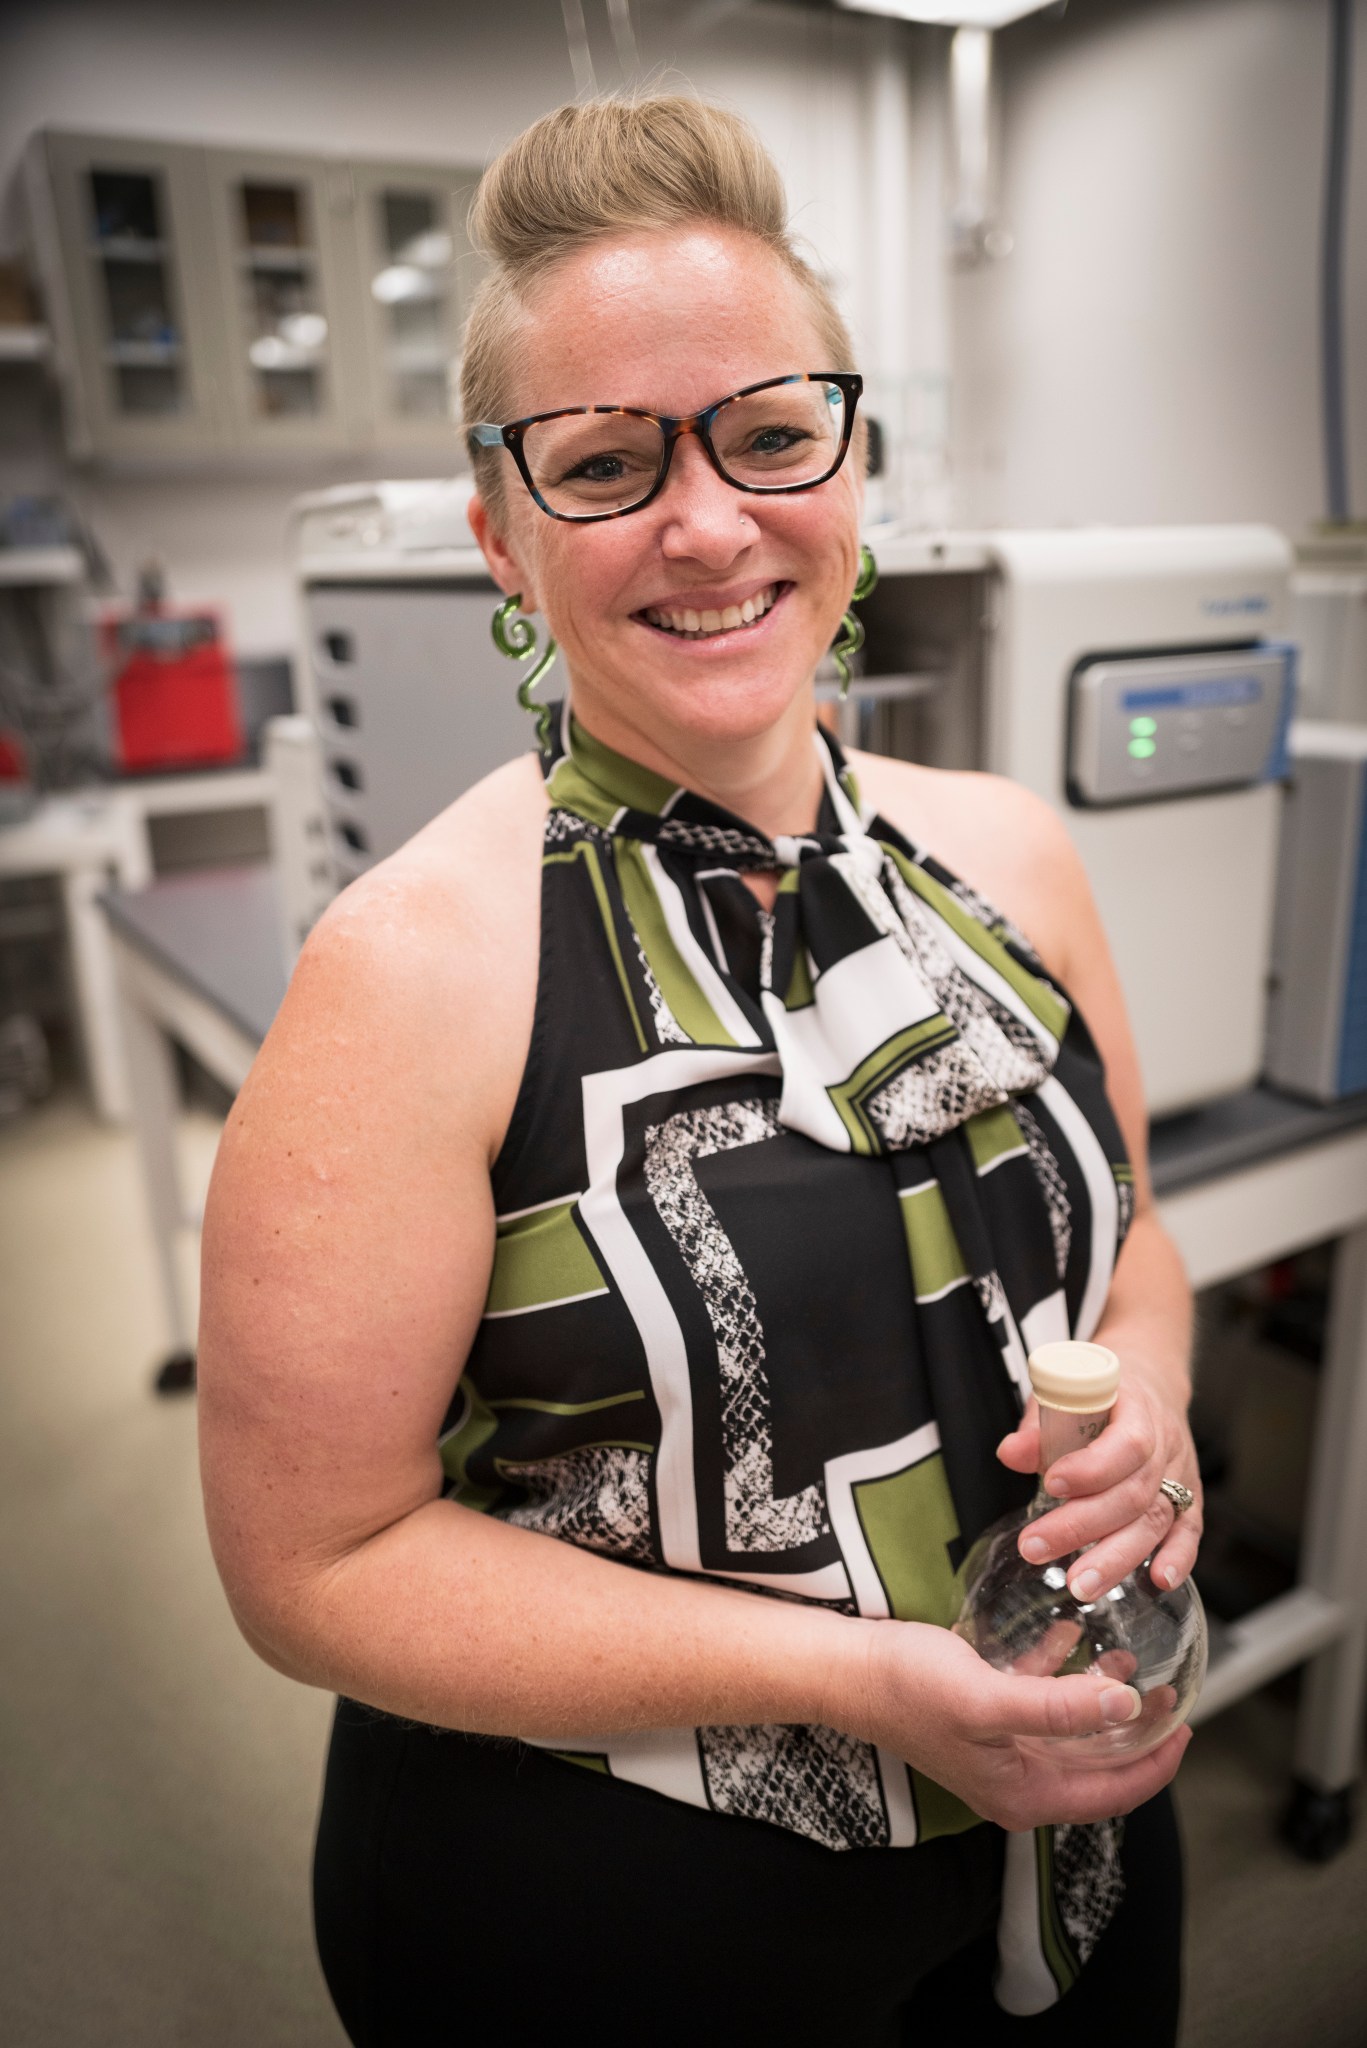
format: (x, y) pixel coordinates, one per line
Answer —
(1143, 726)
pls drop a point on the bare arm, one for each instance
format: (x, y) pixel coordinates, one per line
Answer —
(348, 1243)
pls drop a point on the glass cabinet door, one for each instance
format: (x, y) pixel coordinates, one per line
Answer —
(132, 221)
(131, 251)
(416, 267)
(283, 267)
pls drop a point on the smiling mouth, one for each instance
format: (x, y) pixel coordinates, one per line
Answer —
(706, 625)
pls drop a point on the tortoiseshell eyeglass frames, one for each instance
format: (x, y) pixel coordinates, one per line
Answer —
(589, 462)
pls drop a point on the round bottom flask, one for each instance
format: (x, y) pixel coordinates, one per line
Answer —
(1022, 1618)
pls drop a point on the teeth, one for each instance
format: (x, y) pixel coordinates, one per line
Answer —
(695, 625)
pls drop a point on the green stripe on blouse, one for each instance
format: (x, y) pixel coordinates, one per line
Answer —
(937, 1263)
(584, 850)
(849, 1096)
(540, 1259)
(692, 1011)
(993, 1134)
(582, 779)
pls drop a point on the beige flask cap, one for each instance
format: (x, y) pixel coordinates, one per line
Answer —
(1081, 1379)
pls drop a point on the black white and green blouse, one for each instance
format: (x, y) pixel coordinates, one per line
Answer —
(785, 1202)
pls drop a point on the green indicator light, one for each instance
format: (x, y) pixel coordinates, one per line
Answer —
(1143, 728)
(1140, 750)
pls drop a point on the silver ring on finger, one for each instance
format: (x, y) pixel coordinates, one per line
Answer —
(1181, 1496)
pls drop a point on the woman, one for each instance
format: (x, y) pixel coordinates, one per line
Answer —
(606, 1232)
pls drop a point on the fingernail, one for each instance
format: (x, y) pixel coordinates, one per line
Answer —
(1057, 1489)
(1121, 1703)
(1084, 1585)
(1035, 1548)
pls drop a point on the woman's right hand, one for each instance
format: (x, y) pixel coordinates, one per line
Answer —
(931, 1699)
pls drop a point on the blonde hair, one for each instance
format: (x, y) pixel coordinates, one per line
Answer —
(607, 166)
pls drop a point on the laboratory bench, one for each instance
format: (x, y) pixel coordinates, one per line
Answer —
(1240, 1183)
(85, 838)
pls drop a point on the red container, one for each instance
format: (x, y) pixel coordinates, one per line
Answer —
(173, 690)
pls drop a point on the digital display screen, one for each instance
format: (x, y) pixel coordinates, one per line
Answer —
(1209, 693)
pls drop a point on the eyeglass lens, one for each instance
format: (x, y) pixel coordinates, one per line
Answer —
(783, 436)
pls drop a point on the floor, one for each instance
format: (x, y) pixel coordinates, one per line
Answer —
(158, 1784)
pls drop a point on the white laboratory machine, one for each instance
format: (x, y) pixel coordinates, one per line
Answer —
(1329, 625)
(412, 701)
(1317, 1009)
(1134, 678)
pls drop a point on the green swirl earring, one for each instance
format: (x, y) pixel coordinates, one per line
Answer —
(851, 626)
(517, 639)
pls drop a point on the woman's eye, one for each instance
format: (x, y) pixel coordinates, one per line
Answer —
(777, 440)
(599, 469)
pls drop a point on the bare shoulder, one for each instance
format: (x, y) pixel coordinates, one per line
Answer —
(425, 967)
(994, 834)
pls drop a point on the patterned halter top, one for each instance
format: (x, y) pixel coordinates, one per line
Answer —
(785, 1202)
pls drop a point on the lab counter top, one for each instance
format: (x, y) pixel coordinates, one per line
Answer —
(1242, 1130)
(218, 931)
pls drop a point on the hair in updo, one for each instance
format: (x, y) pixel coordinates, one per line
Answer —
(611, 166)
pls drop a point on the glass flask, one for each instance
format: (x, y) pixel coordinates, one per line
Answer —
(1022, 1617)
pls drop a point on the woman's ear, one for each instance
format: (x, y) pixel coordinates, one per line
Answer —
(502, 555)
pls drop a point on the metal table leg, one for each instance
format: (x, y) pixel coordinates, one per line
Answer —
(1330, 1732)
(97, 1003)
(154, 1089)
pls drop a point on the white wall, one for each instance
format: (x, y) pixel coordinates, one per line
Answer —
(1149, 349)
(443, 79)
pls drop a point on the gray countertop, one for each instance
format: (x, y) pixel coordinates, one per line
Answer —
(219, 930)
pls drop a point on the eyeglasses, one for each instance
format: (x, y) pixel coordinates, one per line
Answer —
(600, 461)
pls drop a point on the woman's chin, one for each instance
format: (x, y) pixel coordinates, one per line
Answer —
(731, 702)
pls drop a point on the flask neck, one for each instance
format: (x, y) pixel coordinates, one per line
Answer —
(1061, 1431)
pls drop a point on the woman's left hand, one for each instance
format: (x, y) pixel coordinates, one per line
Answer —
(1109, 1493)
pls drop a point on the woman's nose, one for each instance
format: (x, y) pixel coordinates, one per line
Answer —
(705, 518)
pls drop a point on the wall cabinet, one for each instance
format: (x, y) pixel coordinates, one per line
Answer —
(417, 276)
(208, 303)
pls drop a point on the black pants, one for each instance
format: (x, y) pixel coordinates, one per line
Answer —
(468, 1891)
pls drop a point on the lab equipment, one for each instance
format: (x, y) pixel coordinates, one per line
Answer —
(411, 700)
(1030, 654)
(1135, 679)
(1317, 1006)
(174, 694)
(305, 873)
(1329, 622)
(1023, 1618)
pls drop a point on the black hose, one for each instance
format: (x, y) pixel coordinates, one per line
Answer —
(1333, 398)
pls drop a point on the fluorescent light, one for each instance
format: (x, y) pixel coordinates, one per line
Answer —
(304, 330)
(949, 13)
(431, 250)
(273, 352)
(401, 283)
